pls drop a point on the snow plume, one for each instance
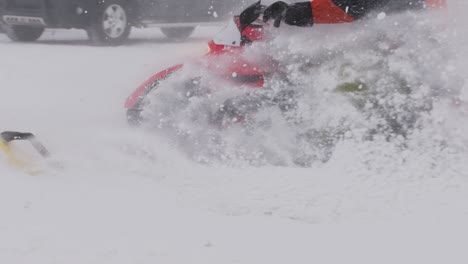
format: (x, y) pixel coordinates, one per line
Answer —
(377, 93)
(387, 89)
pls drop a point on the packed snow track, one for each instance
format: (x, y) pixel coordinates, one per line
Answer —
(115, 194)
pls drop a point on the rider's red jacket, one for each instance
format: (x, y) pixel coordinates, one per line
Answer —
(341, 11)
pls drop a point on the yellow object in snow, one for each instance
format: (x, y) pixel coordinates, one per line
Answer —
(12, 159)
(18, 158)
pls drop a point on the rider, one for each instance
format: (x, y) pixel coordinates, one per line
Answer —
(339, 11)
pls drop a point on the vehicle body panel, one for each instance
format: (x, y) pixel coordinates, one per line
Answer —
(80, 13)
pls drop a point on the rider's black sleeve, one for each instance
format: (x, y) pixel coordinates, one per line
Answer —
(299, 14)
(340, 11)
(360, 8)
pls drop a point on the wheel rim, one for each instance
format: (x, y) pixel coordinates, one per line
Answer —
(114, 21)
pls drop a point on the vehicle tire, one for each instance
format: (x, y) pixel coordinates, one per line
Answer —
(177, 33)
(112, 24)
(23, 33)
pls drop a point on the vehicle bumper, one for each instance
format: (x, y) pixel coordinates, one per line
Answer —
(49, 13)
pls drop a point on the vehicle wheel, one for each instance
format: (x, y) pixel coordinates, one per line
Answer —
(177, 33)
(23, 33)
(112, 25)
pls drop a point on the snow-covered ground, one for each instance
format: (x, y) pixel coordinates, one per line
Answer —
(113, 194)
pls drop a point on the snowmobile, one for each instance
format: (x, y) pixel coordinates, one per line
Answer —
(13, 154)
(230, 65)
(389, 111)
(228, 45)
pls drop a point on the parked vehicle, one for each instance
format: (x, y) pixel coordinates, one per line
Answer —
(109, 21)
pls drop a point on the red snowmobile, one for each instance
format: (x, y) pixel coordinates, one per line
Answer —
(228, 45)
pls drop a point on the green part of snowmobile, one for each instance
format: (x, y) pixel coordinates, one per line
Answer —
(351, 87)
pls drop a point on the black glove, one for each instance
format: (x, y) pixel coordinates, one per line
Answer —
(298, 14)
(276, 11)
